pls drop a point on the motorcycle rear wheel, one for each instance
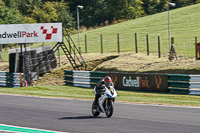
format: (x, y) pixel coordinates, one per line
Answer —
(109, 109)
(95, 109)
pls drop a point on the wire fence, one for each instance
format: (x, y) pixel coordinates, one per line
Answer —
(127, 43)
(124, 43)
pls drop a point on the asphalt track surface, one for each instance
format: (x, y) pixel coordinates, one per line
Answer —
(74, 116)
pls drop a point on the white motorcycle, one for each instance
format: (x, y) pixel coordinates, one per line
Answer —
(105, 102)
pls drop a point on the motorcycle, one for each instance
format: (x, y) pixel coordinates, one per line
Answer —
(105, 103)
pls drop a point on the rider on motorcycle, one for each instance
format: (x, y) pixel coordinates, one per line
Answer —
(107, 81)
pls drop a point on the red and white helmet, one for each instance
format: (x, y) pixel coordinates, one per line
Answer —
(108, 81)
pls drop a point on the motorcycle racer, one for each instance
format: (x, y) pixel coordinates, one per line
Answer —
(107, 81)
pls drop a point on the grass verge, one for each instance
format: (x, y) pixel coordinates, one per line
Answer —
(124, 96)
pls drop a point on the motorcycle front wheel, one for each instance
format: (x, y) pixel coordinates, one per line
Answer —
(95, 109)
(109, 109)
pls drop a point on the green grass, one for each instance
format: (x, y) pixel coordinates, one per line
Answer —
(184, 23)
(124, 96)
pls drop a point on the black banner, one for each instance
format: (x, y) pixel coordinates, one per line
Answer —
(140, 82)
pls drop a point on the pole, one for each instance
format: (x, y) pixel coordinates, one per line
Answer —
(85, 43)
(136, 50)
(59, 55)
(21, 59)
(101, 44)
(168, 28)
(16, 59)
(147, 44)
(196, 48)
(118, 43)
(78, 29)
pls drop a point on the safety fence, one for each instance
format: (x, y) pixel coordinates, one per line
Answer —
(12, 79)
(184, 84)
(172, 83)
(135, 42)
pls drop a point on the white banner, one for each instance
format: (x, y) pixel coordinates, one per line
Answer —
(30, 33)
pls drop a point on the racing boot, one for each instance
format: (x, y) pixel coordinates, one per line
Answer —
(96, 100)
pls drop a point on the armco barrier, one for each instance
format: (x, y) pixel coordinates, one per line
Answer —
(83, 78)
(2, 78)
(11, 79)
(184, 84)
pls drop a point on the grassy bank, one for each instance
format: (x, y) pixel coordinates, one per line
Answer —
(124, 96)
(184, 23)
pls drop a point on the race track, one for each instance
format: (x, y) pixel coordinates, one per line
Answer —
(74, 116)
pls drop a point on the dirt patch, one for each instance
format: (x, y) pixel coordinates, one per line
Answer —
(4, 66)
(141, 63)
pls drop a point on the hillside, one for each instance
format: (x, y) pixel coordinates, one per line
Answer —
(184, 26)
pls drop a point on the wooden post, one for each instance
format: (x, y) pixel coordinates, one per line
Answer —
(136, 50)
(159, 47)
(172, 40)
(147, 44)
(21, 80)
(118, 43)
(86, 44)
(172, 51)
(196, 48)
(101, 38)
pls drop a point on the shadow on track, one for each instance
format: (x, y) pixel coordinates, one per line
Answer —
(79, 117)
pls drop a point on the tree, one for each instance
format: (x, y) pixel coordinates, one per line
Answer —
(96, 12)
(9, 16)
(54, 12)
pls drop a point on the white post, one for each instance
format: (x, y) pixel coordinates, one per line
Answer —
(16, 58)
(81, 7)
(173, 5)
(78, 28)
(168, 28)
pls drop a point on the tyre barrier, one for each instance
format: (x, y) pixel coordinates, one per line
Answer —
(13, 80)
(35, 56)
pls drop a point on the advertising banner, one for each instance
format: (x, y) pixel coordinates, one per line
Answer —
(30, 33)
(140, 82)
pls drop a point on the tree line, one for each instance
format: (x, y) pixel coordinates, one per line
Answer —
(94, 13)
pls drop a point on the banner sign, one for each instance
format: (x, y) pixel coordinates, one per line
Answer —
(140, 82)
(30, 33)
